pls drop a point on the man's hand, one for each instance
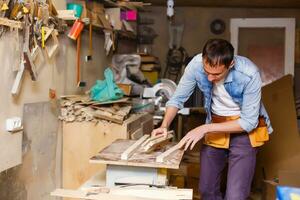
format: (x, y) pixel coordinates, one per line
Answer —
(159, 131)
(192, 137)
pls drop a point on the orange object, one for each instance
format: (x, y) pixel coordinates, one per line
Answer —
(52, 93)
(257, 136)
(76, 29)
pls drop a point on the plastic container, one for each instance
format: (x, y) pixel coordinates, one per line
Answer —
(76, 7)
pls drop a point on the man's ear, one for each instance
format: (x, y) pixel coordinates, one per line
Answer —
(231, 64)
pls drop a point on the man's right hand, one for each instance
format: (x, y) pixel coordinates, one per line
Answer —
(159, 131)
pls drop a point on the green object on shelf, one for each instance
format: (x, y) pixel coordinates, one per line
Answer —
(77, 7)
(107, 89)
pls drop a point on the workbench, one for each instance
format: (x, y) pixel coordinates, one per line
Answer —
(82, 140)
(139, 177)
(140, 168)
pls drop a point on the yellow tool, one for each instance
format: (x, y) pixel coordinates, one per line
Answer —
(25, 10)
(4, 7)
(43, 37)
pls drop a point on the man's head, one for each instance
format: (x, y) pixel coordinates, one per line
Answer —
(217, 57)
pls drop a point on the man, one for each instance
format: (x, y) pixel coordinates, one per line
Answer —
(236, 124)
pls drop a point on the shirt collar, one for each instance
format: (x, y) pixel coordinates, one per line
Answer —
(229, 77)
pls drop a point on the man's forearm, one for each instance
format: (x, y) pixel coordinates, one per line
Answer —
(169, 116)
(228, 127)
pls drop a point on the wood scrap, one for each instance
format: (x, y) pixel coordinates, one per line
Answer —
(18, 80)
(113, 114)
(91, 196)
(126, 154)
(53, 49)
(154, 144)
(73, 109)
(152, 138)
(137, 134)
(132, 5)
(163, 157)
(162, 194)
(132, 193)
(108, 116)
(11, 23)
(123, 100)
(66, 14)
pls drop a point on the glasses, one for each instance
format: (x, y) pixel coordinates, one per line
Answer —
(216, 75)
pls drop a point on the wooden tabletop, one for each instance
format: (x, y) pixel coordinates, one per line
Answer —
(112, 155)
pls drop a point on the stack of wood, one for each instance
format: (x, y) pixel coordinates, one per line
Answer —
(150, 67)
(78, 108)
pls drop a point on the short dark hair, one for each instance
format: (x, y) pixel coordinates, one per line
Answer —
(218, 52)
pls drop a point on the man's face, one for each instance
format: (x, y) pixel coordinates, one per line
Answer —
(215, 73)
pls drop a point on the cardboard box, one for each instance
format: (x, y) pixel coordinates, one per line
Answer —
(114, 17)
(289, 178)
(269, 190)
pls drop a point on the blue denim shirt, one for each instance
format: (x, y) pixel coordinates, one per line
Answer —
(243, 84)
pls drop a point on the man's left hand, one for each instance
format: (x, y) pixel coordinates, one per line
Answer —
(192, 137)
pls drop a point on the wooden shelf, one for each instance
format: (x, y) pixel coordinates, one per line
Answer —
(130, 5)
(121, 33)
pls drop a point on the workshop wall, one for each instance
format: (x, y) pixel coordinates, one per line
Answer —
(197, 25)
(36, 147)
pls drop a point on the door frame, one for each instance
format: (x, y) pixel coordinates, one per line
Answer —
(289, 25)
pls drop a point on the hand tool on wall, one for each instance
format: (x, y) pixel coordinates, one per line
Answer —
(78, 75)
(90, 54)
(52, 89)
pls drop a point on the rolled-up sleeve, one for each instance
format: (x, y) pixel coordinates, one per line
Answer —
(186, 85)
(251, 104)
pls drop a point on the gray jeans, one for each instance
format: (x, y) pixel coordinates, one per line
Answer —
(241, 158)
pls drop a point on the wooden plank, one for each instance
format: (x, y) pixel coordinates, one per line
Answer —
(151, 139)
(162, 194)
(123, 100)
(112, 155)
(41, 128)
(131, 193)
(18, 80)
(137, 134)
(10, 23)
(114, 113)
(163, 157)
(52, 50)
(66, 14)
(29, 64)
(92, 196)
(10, 150)
(156, 143)
(133, 148)
(108, 116)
